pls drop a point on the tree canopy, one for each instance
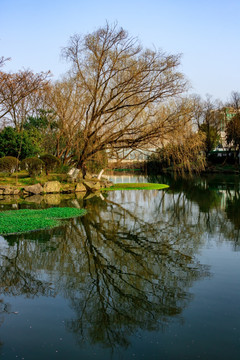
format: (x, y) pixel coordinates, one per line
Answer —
(112, 96)
(20, 95)
(19, 145)
(233, 132)
(117, 97)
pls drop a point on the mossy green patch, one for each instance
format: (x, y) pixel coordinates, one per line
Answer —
(22, 179)
(20, 221)
(137, 186)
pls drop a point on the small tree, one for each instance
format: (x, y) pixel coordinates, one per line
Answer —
(50, 162)
(9, 164)
(33, 166)
(212, 136)
(208, 119)
(233, 132)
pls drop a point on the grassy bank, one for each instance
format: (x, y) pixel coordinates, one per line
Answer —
(23, 179)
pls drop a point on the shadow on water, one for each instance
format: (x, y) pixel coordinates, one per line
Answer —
(217, 196)
(138, 273)
(128, 264)
(122, 268)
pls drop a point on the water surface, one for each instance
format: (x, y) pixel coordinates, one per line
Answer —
(145, 274)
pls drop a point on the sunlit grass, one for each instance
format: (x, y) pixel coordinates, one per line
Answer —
(137, 186)
(22, 178)
(20, 221)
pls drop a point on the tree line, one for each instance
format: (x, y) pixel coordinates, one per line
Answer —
(116, 95)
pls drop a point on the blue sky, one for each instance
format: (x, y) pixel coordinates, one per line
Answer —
(206, 32)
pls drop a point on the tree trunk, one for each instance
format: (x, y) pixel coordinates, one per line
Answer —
(100, 174)
(82, 166)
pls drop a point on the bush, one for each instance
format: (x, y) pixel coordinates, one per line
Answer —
(62, 169)
(9, 164)
(50, 162)
(33, 165)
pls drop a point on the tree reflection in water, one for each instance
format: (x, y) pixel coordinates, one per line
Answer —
(131, 267)
(128, 264)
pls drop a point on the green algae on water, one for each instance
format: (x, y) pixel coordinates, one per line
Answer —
(21, 221)
(137, 186)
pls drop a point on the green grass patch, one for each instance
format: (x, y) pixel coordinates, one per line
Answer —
(21, 221)
(137, 186)
(23, 179)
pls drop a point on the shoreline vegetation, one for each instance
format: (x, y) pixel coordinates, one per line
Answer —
(23, 185)
(25, 220)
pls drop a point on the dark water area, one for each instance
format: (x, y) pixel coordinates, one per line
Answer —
(145, 274)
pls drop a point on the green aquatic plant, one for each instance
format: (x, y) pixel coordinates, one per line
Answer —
(20, 221)
(137, 186)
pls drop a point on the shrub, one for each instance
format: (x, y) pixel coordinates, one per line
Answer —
(50, 162)
(62, 169)
(33, 165)
(9, 164)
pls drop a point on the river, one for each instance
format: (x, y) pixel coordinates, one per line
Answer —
(146, 274)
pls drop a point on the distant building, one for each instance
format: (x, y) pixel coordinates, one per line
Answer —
(131, 156)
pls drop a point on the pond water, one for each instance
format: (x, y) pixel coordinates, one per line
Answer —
(144, 275)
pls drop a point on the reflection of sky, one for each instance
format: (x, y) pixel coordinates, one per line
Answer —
(148, 205)
(127, 178)
(225, 194)
(210, 319)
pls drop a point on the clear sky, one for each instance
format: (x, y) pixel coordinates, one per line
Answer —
(206, 32)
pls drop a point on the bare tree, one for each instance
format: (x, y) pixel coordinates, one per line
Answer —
(208, 118)
(233, 133)
(65, 99)
(235, 100)
(120, 87)
(3, 60)
(19, 93)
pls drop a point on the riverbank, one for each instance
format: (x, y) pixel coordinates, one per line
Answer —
(226, 169)
(23, 185)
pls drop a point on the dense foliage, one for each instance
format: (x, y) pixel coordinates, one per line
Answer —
(9, 164)
(50, 162)
(33, 165)
(212, 136)
(19, 144)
